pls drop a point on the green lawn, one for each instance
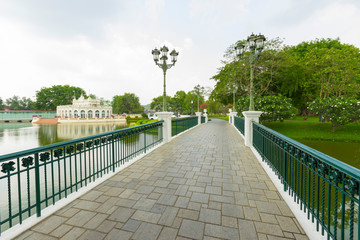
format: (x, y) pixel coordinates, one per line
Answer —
(219, 116)
(314, 130)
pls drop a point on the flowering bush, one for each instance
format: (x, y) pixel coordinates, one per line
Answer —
(34, 116)
(338, 111)
(274, 108)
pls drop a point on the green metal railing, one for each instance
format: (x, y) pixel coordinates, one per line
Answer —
(202, 119)
(33, 179)
(239, 124)
(326, 188)
(179, 125)
(25, 115)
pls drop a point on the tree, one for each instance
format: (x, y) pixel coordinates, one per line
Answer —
(339, 111)
(1, 104)
(199, 91)
(274, 107)
(127, 103)
(50, 98)
(157, 103)
(17, 103)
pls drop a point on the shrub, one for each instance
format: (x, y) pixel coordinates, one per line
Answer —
(144, 115)
(339, 111)
(274, 108)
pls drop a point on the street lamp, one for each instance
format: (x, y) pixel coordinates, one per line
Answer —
(256, 45)
(192, 102)
(235, 88)
(163, 64)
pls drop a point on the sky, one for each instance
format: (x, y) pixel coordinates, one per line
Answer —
(104, 47)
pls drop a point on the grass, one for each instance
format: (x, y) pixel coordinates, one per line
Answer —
(312, 129)
(219, 116)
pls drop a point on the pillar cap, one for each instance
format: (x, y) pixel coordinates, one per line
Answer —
(252, 113)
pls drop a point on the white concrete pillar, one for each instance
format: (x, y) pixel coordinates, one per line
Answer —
(206, 116)
(250, 116)
(166, 116)
(230, 111)
(198, 114)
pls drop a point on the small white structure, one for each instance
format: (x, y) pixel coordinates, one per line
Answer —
(84, 108)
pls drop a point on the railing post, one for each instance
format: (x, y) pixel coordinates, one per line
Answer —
(198, 114)
(250, 116)
(113, 152)
(166, 117)
(37, 185)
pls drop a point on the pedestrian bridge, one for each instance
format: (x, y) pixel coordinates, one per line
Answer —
(203, 184)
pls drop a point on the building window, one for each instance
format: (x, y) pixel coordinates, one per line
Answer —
(97, 114)
(75, 114)
(90, 114)
(82, 114)
(103, 114)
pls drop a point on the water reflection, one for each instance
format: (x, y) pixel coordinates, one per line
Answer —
(21, 136)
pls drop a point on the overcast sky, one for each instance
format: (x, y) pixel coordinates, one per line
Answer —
(104, 46)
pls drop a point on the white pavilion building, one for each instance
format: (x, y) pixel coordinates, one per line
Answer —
(84, 108)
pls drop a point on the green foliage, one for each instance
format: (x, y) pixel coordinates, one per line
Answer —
(315, 69)
(145, 121)
(338, 111)
(274, 108)
(181, 102)
(17, 103)
(144, 115)
(1, 104)
(127, 103)
(50, 98)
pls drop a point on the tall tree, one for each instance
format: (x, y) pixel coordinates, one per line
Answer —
(50, 98)
(1, 104)
(17, 103)
(127, 103)
(199, 91)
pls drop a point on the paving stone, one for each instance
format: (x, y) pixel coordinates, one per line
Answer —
(61, 230)
(147, 231)
(68, 213)
(92, 235)
(106, 226)
(194, 206)
(131, 225)
(210, 216)
(268, 218)
(232, 210)
(247, 230)
(74, 233)
(251, 213)
(168, 216)
(117, 234)
(39, 236)
(80, 218)
(125, 203)
(190, 214)
(182, 190)
(268, 228)
(221, 232)
(182, 202)
(168, 234)
(213, 190)
(157, 208)
(287, 224)
(96, 221)
(92, 195)
(146, 216)
(229, 221)
(121, 214)
(267, 207)
(145, 189)
(50, 224)
(167, 199)
(192, 229)
(144, 204)
(200, 197)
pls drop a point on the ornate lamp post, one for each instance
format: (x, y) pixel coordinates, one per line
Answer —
(256, 45)
(192, 102)
(164, 65)
(235, 88)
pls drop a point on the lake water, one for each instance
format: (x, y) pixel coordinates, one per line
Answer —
(16, 137)
(348, 152)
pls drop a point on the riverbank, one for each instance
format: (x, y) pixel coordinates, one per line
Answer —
(312, 129)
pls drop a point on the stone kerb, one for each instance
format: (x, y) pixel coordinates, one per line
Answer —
(248, 131)
(166, 117)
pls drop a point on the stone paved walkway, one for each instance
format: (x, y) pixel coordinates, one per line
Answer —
(205, 184)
